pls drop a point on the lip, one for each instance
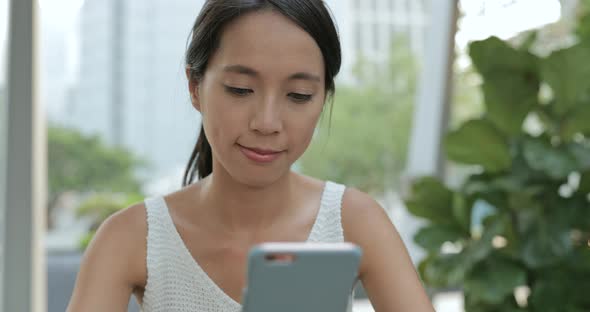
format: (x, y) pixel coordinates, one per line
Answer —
(260, 155)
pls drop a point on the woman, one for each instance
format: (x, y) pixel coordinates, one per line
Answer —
(259, 72)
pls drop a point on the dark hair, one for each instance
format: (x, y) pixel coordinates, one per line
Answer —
(311, 15)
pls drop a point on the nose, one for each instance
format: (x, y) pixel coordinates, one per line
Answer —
(266, 118)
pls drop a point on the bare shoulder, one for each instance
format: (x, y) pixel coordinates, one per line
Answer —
(129, 225)
(360, 212)
(123, 236)
(113, 266)
(386, 270)
(129, 221)
(365, 223)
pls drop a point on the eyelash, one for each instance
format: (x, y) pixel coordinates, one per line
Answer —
(238, 91)
(296, 97)
(300, 98)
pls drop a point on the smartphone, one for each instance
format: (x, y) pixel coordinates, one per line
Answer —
(297, 277)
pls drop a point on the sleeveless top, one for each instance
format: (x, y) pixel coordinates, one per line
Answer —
(176, 282)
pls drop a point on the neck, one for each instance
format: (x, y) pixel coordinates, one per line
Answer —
(239, 208)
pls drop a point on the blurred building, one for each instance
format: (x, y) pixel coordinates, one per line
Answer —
(58, 57)
(368, 27)
(131, 86)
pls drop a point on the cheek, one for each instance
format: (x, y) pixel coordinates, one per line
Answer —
(304, 128)
(221, 121)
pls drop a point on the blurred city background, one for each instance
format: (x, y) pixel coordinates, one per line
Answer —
(120, 126)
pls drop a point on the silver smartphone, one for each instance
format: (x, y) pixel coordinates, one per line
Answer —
(296, 277)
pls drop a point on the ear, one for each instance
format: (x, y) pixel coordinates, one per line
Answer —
(193, 88)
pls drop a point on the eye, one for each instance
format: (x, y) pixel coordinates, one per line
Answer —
(299, 97)
(238, 91)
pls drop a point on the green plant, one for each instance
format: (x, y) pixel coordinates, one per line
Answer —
(83, 163)
(378, 107)
(522, 218)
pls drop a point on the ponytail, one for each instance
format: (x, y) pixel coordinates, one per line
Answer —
(201, 160)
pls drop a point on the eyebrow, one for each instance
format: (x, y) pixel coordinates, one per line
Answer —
(244, 70)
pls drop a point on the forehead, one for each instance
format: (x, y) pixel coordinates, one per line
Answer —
(270, 43)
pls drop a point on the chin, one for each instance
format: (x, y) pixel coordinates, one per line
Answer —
(259, 178)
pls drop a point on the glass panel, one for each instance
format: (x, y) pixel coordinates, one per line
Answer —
(375, 6)
(121, 126)
(357, 4)
(3, 119)
(358, 39)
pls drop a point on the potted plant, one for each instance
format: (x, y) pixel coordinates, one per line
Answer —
(520, 223)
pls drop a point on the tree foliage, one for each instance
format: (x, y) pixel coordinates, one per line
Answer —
(85, 163)
(363, 141)
(79, 163)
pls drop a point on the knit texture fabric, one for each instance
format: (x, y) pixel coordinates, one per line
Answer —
(176, 282)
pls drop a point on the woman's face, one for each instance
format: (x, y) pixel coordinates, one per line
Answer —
(261, 97)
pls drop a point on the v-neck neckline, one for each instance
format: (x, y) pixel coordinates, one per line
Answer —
(210, 283)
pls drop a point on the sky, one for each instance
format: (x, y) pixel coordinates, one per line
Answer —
(503, 18)
(482, 18)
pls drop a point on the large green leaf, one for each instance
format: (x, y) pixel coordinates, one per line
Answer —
(579, 261)
(477, 184)
(462, 211)
(558, 289)
(513, 244)
(493, 55)
(511, 82)
(495, 279)
(581, 153)
(523, 199)
(513, 180)
(443, 270)
(584, 186)
(477, 306)
(509, 97)
(546, 245)
(528, 41)
(577, 121)
(477, 142)
(526, 219)
(567, 72)
(478, 249)
(556, 162)
(583, 27)
(573, 212)
(431, 200)
(473, 303)
(433, 236)
(548, 296)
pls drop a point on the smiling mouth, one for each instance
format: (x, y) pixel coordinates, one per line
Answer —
(260, 155)
(262, 150)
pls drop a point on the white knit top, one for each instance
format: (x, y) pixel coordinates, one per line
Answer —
(176, 282)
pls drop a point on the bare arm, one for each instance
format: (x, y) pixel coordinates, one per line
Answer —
(112, 265)
(386, 271)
